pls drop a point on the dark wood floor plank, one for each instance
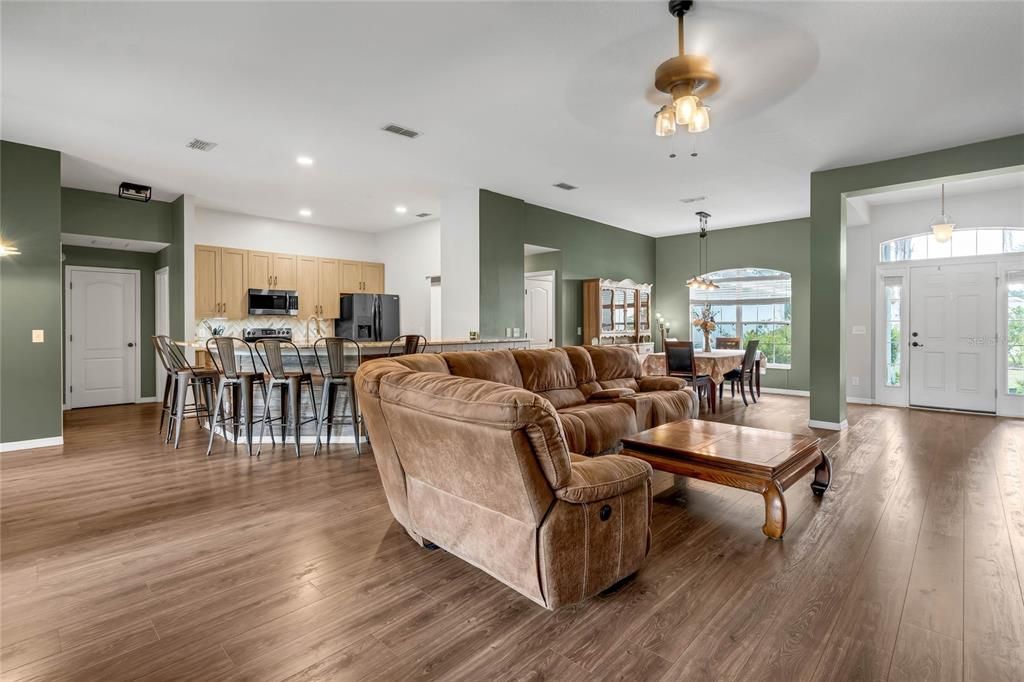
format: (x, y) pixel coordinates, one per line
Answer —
(122, 558)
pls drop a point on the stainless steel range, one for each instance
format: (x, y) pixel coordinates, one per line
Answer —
(257, 333)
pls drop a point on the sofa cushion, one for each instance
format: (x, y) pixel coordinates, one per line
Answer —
(574, 430)
(615, 366)
(655, 408)
(548, 372)
(491, 365)
(603, 424)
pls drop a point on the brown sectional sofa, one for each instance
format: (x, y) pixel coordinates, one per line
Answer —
(479, 453)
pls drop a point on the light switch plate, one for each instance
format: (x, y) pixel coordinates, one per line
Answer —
(579, 330)
(508, 332)
(38, 336)
(515, 332)
(859, 329)
(855, 381)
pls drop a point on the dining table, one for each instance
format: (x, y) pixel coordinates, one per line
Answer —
(714, 363)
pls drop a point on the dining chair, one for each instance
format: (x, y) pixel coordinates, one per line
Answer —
(744, 376)
(343, 358)
(185, 376)
(410, 345)
(680, 362)
(225, 351)
(728, 342)
(291, 384)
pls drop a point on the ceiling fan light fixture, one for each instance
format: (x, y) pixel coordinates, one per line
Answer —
(665, 122)
(700, 121)
(685, 107)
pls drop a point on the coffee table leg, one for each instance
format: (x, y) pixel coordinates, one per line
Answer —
(774, 511)
(822, 476)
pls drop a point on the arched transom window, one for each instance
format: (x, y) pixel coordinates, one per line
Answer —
(751, 303)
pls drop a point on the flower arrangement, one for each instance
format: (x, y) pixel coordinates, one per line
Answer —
(706, 323)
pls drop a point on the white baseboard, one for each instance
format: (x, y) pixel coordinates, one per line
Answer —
(831, 426)
(860, 401)
(786, 391)
(150, 399)
(31, 444)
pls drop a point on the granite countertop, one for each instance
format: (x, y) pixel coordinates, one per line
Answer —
(303, 345)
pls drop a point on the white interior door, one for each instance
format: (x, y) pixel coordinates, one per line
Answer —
(539, 310)
(102, 347)
(952, 336)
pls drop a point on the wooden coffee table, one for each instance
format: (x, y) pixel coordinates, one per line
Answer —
(759, 460)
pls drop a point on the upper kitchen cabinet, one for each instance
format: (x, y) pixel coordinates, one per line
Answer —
(358, 277)
(329, 285)
(318, 286)
(221, 289)
(273, 270)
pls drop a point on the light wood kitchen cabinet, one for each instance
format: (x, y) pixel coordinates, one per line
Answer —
(358, 277)
(273, 270)
(329, 275)
(220, 282)
(308, 277)
(285, 272)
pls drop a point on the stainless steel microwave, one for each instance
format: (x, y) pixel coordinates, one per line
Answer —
(273, 302)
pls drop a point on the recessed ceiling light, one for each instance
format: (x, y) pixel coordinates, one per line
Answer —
(401, 209)
(304, 160)
(305, 212)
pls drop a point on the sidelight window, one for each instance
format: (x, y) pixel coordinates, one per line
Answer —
(1015, 333)
(893, 330)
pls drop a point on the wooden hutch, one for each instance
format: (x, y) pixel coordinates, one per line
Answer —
(618, 313)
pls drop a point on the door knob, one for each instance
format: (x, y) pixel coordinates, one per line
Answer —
(915, 344)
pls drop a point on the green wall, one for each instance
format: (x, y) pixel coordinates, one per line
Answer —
(828, 247)
(96, 213)
(588, 248)
(780, 246)
(145, 263)
(173, 258)
(30, 373)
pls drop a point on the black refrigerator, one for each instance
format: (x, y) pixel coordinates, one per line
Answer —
(368, 317)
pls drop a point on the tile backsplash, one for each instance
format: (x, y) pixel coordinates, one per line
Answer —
(235, 327)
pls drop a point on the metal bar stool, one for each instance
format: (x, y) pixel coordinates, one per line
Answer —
(411, 344)
(199, 379)
(165, 362)
(341, 369)
(240, 384)
(291, 384)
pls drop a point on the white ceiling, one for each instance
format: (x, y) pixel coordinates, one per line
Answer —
(510, 96)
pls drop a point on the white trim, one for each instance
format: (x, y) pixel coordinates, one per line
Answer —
(148, 399)
(137, 277)
(786, 391)
(30, 444)
(831, 426)
(859, 401)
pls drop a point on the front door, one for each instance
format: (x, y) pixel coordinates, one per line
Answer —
(953, 337)
(102, 346)
(539, 310)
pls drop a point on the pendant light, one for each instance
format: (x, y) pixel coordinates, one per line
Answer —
(942, 226)
(698, 281)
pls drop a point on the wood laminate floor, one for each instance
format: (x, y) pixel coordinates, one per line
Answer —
(123, 558)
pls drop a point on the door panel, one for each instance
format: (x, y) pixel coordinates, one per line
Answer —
(233, 290)
(207, 282)
(539, 312)
(103, 306)
(953, 324)
(351, 277)
(329, 275)
(373, 278)
(309, 297)
(285, 272)
(261, 268)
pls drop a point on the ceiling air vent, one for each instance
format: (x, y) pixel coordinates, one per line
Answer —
(201, 145)
(564, 185)
(422, 215)
(692, 200)
(399, 130)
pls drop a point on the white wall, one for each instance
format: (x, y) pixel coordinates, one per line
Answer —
(411, 255)
(999, 208)
(460, 262)
(221, 228)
